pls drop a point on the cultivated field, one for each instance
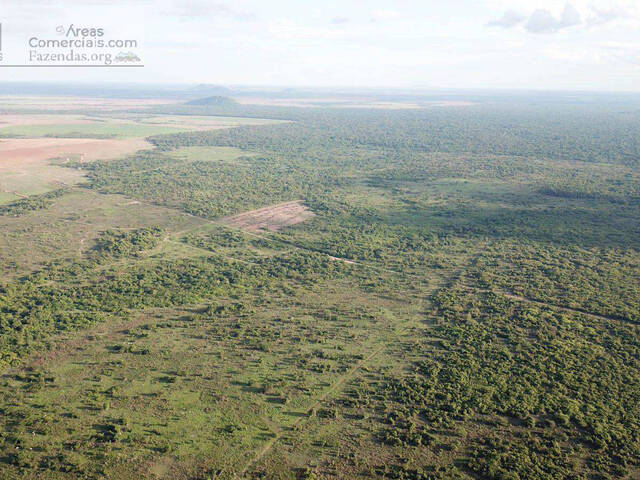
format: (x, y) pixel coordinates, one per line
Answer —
(32, 166)
(12, 120)
(23, 152)
(25, 103)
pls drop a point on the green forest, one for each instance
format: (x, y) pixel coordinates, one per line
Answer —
(464, 302)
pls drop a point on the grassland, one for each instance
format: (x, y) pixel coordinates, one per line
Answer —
(122, 126)
(97, 130)
(457, 307)
(31, 103)
(36, 144)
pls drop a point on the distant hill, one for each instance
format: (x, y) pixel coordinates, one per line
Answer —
(215, 101)
(210, 89)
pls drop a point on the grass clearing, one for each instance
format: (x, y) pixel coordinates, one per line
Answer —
(211, 154)
(26, 120)
(64, 233)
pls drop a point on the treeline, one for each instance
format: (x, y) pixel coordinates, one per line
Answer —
(69, 297)
(206, 189)
(32, 203)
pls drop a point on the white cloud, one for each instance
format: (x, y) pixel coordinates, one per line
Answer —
(204, 9)
(603, 16)
(570, 16)
(284, 29)
(510, 19)
(340, 20)
(542, 20)
(554, 15)
(354, 43)
(384, 15)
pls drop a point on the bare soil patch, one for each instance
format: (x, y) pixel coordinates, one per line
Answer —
(29, 151)
(26, 167)
(273, 218)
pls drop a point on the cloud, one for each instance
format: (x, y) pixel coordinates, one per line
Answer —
(384, 15)
(600, 16)
(543, 21)
(627, 53)
(202, 8)
(284, 29)
(570, 17)
(339, 20)
(540, 21)
(508, 20)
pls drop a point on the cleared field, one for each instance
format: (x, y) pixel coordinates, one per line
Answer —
(127, 125)
(75, 103)
(118, 125)
(107, 129)
(18, 184)
(26, 169)
(21, 152)
(25, 165)
(38, 119)
(68, 229)
(272, 218)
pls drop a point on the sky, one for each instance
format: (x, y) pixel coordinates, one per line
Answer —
(497, 44)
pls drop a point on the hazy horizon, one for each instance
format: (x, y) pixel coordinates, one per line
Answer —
(235, 88)
(500, 45)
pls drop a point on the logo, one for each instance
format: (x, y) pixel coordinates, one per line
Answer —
(74, 46)
(127, 57)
